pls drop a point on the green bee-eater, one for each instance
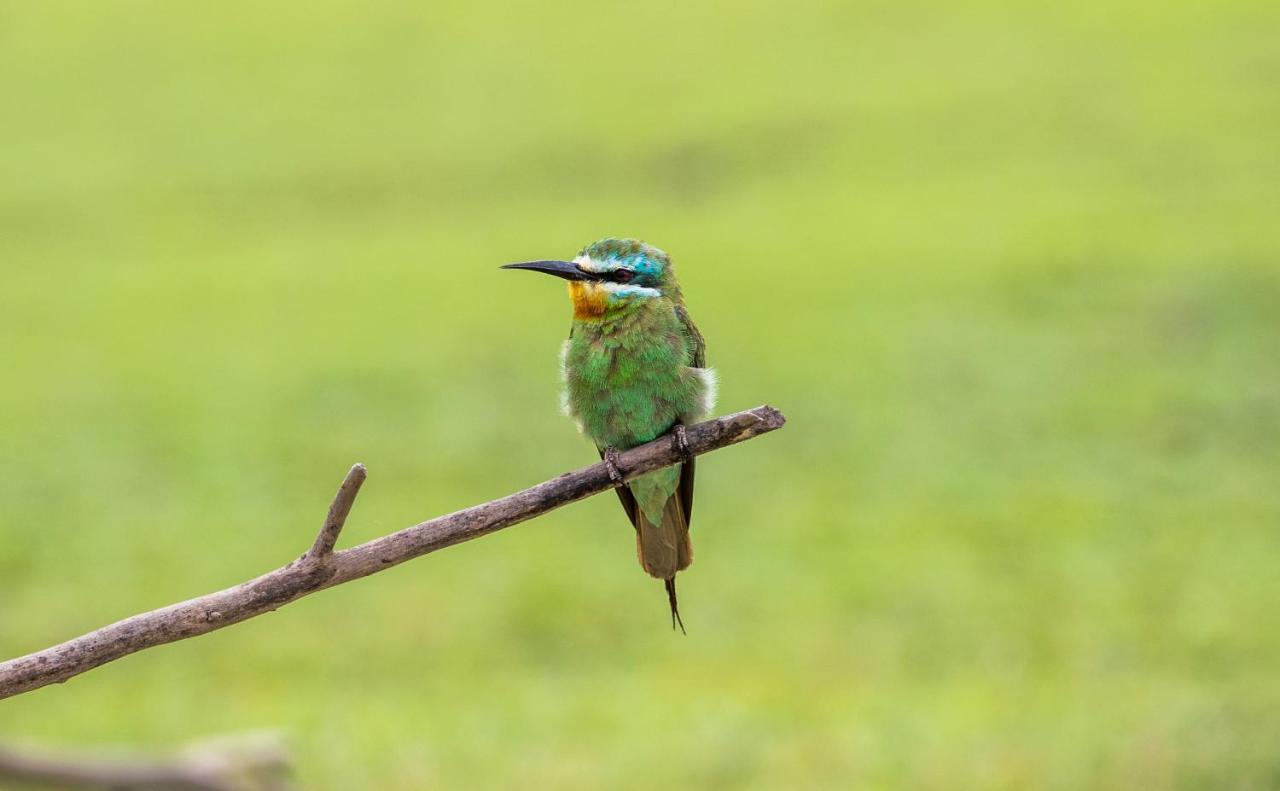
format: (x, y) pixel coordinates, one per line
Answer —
(634, 368)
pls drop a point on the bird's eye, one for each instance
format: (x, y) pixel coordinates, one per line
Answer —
(623, 275)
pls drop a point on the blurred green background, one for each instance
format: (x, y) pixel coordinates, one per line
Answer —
(1012, 271)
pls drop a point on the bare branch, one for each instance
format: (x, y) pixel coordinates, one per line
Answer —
(303, 576)
(338, 510)
(251, 762)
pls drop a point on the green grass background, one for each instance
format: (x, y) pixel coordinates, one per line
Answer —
(1012, 271)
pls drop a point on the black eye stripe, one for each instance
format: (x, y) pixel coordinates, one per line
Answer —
(622, 275)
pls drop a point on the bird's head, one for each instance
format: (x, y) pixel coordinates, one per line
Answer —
(612, 275)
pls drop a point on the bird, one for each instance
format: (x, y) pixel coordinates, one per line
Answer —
(634, 369)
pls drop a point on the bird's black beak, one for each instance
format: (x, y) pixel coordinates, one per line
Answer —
(565, 269)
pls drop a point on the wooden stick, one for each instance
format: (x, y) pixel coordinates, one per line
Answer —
(320, 567)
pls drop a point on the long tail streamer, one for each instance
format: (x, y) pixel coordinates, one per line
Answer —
(675, 609)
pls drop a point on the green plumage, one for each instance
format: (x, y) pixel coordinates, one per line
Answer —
(629, 375)
(629, 379)
(634, 368)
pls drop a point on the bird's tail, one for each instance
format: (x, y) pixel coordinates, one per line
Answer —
(664, 548)
(675, 608)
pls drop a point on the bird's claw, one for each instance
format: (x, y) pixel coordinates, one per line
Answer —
(682, 442)
(611, 464)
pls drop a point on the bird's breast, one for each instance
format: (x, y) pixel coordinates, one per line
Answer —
(625, 387)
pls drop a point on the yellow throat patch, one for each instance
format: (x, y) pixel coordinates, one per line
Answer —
(588, 299)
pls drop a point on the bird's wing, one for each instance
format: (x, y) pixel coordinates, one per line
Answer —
(697, 346)
(685, 491)
(698, 357)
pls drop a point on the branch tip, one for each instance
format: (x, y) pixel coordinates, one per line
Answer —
(772, 417)
(338, 511)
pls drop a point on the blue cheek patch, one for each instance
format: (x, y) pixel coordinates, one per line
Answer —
(628, 292)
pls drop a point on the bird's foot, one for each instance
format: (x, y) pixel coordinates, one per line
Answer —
(682, 442)
(611, 464)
